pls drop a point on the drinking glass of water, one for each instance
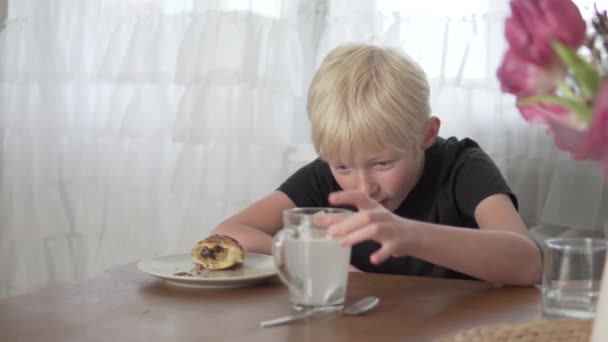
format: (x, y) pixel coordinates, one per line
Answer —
(311, 263)
(572, 273)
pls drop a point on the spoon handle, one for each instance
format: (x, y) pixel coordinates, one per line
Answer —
(296, 317)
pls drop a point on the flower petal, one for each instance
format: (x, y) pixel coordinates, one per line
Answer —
(534, 24)
(522, 78)
(542, 113)
(595, 144)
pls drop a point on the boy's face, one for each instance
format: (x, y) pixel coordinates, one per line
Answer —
(387, 177)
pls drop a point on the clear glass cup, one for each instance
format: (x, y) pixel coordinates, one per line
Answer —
(311, 263)
(572, 273)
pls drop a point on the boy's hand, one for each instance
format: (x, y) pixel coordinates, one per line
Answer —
(372, 222)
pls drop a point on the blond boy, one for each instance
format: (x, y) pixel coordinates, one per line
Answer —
(425, 205)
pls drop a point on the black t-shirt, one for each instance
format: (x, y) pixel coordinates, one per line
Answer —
(457, 176)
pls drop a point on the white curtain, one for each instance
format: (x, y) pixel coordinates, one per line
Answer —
(129, 128)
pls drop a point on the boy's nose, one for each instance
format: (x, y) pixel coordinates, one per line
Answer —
(367, 185)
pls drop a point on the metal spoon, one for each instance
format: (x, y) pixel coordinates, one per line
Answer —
(359, 307)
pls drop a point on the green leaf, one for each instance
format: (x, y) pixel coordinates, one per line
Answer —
(567, 91)
(587, 77)
(582, 111)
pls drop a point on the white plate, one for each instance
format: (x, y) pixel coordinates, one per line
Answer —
(254, 269)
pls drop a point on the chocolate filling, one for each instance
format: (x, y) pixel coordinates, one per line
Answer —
(212, 253)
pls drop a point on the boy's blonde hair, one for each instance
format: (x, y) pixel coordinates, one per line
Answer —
(363, 96)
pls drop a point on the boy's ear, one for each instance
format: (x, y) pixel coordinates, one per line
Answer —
(432, 130)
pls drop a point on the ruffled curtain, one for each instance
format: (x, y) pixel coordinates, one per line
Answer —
(130, 128)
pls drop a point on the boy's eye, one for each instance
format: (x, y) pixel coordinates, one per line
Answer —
(341, 167)
(383, 164)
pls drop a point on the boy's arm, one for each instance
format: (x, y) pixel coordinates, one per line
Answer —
(255, 225)
(500, 251)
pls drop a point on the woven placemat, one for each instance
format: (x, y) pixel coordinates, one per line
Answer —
(563, 330)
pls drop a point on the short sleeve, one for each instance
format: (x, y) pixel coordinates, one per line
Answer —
(310, 185)
(477, 177)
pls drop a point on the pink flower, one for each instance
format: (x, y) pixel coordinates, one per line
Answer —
(582, 141)
(535, 23)
(544, 39)
(542, 113)
(522, 78)
(595, 144)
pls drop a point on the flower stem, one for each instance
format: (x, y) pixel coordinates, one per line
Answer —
(567, 90)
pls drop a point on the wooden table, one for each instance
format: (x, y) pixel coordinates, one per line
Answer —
(124, 304)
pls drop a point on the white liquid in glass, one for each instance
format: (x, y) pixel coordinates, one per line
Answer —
(319, 271)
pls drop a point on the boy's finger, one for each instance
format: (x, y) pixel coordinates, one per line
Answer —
(357, 222)
(358, 235)
(356, 198)
(380, 255)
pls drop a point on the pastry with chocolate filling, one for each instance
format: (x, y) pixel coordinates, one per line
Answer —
(218, 252)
